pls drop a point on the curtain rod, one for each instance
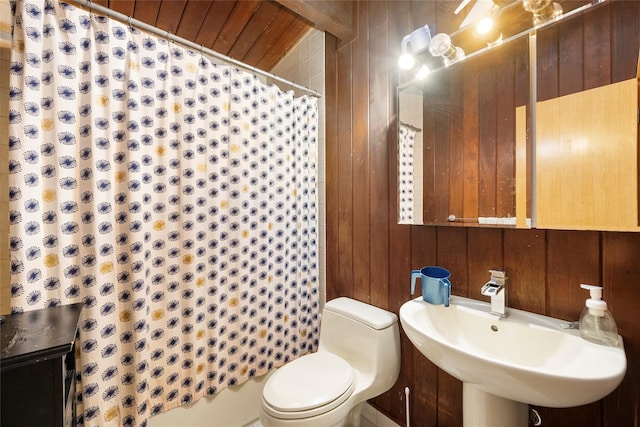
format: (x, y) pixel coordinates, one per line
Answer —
(407, 125)
(93, 7)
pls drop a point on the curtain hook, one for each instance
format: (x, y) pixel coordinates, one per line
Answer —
(130, 25)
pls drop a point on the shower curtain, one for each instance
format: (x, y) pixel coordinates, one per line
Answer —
(405, 172)
(174, 197)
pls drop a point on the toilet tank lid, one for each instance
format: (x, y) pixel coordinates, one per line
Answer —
(367, 314)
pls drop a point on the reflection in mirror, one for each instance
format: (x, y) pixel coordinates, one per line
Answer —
(471, 27)
(457, 149)
(459, 123)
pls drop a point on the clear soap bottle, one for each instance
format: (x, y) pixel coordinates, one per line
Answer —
(596, 322)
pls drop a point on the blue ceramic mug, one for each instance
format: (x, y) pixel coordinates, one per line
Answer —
(436, 287)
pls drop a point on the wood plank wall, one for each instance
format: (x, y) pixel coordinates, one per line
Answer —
(468, 134)
(370, 256)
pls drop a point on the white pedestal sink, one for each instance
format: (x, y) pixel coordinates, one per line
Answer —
(507, 363)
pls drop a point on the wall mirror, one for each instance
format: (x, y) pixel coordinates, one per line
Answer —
(457, 152)
(473, 122)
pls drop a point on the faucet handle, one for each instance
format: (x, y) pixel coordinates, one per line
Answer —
(498, 274)
(491, 289)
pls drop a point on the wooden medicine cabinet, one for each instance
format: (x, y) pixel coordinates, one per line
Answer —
(586, 159)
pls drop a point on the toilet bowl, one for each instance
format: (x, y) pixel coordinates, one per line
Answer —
(358, 358)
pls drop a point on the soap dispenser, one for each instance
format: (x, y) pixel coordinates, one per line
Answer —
(596, 322)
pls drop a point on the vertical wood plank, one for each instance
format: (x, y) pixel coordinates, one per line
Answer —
(526, 267)
(213, 24)
(146, 11)
(505, 131)
(428, 173)
(452, 255)
(597, 48)
(621, 280)
(625, 40)
(547, 63)
(399, 236)
(449, 400)
(254, 29)
(484, 249)
(487, 155)
(522, 98)
(383, 134)
(570, 64)
(275, 35)
(331, 153)
(471, 135)
(572, 258)
(234, 25)
(443, 112)
(423, 248)
(456, 145)
(192, 18)
(387, 26)
(126, 7)
(169, 15)
(361, 142)
(345, 172)
(332, 160)
(424, 392)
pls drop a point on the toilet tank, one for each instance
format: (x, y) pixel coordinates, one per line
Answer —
(365, 336)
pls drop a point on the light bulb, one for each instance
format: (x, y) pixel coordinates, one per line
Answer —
(422, 72)
(458, 55)
(406, 61)
(487, 31)
(542, 10)
(441, 45)
(484, 26)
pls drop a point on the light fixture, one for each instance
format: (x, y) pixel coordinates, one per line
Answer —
(422, 72)
(441, 46)
(406, 61)
(417, 41)
(542, 10)
(487, 30)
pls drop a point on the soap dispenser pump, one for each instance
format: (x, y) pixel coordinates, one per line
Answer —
(596, 322)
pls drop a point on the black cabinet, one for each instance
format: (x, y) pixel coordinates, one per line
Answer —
(37, 367)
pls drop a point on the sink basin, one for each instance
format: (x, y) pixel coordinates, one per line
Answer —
(525, 357)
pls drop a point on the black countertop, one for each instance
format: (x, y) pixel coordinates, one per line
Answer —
(38, 335)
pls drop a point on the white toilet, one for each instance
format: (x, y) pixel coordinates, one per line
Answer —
(358, 358)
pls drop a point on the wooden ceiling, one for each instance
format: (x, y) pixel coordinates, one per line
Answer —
(256, 32)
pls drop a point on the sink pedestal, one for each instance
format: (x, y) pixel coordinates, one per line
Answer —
(482, 409)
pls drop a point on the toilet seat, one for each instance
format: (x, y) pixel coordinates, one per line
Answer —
(309, 386)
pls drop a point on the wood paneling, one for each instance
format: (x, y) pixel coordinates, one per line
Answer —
(544, 268)
(469, 135)
(256, 32)
(335, 17)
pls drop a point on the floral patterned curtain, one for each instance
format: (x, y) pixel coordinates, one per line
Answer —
(175, 197)
(405, 172)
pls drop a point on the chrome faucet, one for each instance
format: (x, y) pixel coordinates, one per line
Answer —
(497, 290)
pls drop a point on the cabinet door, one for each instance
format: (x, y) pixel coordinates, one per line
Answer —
(587, 159)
